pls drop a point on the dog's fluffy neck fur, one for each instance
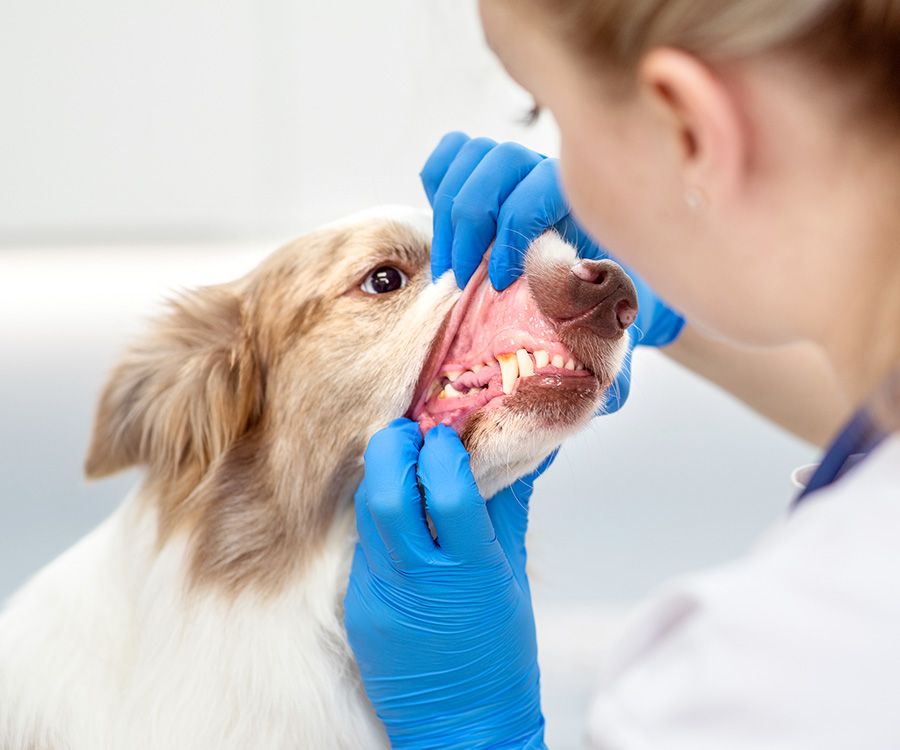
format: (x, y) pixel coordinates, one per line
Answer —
(141, 649)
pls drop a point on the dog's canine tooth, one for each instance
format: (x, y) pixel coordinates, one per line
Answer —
(558, 361)
(570, 365)
(541, 358)
(509, 367)
(579, 366)
(526, 366)
(453, 375)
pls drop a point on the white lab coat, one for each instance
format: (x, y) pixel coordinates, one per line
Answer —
(796, 646)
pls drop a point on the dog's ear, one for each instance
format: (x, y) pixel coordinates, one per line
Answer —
(185, 393)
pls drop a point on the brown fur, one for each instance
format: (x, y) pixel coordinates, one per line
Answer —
(214, 402)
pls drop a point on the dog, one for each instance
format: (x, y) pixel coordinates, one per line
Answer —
(206, 612)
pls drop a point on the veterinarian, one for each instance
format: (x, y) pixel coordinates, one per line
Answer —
(743, 158)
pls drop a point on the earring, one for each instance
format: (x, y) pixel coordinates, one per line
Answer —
(695, 198)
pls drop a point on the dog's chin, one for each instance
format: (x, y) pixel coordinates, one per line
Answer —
(511, 439)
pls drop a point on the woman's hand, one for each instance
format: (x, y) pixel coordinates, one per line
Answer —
(480, 190)
(442, 630)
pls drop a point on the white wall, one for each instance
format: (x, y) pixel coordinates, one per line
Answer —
(203, 119)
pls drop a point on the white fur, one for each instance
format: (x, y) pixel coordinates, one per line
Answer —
(105, 641)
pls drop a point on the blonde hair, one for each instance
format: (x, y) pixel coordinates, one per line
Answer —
(852, 40)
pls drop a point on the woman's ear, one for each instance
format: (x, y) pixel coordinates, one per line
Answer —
(703, 116)
(183, 394)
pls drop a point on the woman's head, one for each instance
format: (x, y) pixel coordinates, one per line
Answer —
(846, 37)
(735, 152)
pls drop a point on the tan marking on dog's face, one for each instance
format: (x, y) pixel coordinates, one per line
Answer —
(340, 364)
(251, 404)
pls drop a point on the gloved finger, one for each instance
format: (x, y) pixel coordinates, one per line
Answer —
(478, 203)
(457, 509)
(508, 511)
(573, 233)
(356, 619)
(392, 492)
(535, 205)
(465, 162)
(439, 162)
(371, 543)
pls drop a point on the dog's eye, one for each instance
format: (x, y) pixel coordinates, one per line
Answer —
(383, 280)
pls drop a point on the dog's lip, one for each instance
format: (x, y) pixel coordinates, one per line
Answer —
(443, 341)
(469, 385)
(492, 390)
(538, 389)
(541, 383)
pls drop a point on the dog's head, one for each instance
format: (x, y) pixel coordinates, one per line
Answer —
(250, 404)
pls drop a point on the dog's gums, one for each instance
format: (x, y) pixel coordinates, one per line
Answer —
(493, 342)
(501, 349)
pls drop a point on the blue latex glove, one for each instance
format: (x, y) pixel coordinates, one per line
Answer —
(480, 190)
(443, 632)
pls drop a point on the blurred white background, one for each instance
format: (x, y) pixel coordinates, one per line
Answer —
(151, 145)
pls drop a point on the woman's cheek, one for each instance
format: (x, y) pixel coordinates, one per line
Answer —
(600, 203)
(584, 188)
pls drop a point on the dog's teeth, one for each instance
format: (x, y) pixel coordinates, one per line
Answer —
(570, 365)
(476, 368)
(541, 358)
(526, 366)
(453, 375)
(579, 366)
(451, 392)
(558, 361)
(509, 367)
(435, 389)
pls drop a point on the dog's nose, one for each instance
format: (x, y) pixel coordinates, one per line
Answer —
(600, 295)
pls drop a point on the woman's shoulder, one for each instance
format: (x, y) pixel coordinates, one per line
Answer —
(799, 634)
